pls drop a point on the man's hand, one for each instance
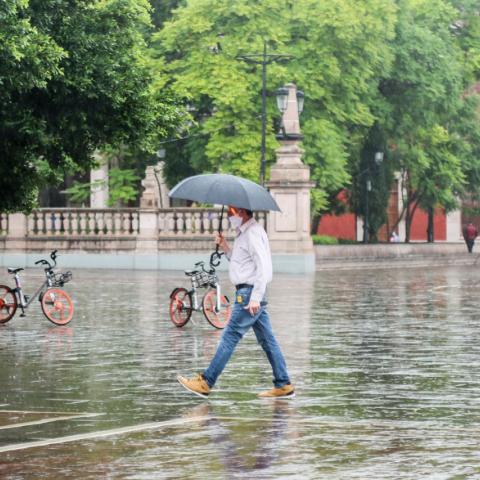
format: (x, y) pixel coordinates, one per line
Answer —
(222, 242)
(252, 307)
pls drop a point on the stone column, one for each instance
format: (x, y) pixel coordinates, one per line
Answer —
(454, 226)
(155, 194)
(99, 184)
(289, 230)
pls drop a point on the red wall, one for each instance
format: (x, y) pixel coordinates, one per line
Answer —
(345, 226)
(420, 223)
(338, 226)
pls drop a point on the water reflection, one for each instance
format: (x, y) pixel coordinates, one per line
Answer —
(238, 451)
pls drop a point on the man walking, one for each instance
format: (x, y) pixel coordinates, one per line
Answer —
(250, 270)
(470, 234)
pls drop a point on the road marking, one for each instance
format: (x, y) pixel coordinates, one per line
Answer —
(46, 420)
(99, 434)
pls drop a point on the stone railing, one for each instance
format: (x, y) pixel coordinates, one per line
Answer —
(114, 229)
(195, 222)
(83, 222)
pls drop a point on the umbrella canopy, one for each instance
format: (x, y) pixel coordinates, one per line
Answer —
(225, 190)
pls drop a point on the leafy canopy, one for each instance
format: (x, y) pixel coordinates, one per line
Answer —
(75, 78)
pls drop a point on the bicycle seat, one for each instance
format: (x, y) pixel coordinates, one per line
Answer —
(14, 270)
(191, 272)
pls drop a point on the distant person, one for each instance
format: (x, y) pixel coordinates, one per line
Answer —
(470, 234)
(394, 238)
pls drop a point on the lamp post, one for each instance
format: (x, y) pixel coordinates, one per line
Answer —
(282, 104)
(368, 188)
(263, 59)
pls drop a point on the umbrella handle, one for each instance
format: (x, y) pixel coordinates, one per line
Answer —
(215, 258)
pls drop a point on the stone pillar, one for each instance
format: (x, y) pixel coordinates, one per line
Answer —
(290, 185)
(99, 184)
(155, 194)
(164, 199)
(17, 231)
(454, 226)
(147, 239)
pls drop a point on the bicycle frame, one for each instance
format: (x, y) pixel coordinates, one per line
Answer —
(23, 300)
(193, 293)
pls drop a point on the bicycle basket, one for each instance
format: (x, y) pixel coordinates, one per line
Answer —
(200, 279)
(62, 278)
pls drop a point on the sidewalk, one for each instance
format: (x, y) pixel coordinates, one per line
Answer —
(396, 255)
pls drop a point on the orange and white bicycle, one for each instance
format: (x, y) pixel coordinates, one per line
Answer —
(215, 306)
(56, 304)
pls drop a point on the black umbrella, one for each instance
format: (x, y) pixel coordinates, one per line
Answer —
(225, 190)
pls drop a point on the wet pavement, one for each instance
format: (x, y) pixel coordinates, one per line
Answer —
(385, 365)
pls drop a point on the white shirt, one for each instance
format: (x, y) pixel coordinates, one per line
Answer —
(250, 259)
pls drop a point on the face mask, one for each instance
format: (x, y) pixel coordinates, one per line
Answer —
(235, 221)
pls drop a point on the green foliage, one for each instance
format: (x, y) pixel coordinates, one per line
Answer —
(324, 240)
(121, 188)
(339, 50)
(423, 105)
(75, 78)
(378, 75)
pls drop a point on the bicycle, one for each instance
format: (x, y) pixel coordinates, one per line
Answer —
(56, 304)
(215, 306)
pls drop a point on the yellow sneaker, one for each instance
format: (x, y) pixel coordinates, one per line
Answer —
(287, 391)
(196, 385)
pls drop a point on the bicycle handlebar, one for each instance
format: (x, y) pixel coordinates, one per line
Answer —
(53, 256)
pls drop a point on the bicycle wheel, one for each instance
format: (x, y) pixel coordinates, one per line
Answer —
(57, 306)
(209, 305)
(180, 306)
(8, 303)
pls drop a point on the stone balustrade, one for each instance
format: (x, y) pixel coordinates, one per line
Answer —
(114, 229)
(83, 222)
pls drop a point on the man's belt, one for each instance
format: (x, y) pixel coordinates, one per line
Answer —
(243, 285)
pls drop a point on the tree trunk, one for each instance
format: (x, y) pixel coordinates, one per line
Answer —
(430, 232)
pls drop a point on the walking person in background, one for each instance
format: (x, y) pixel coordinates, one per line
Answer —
(250, 270)
(470, 234)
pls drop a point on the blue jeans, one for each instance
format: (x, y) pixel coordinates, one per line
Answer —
(239, 323)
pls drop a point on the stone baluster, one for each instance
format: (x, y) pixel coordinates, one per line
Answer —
(206, 222)
(39, 223)
(135, 223)
(170, 223)
(215, 221)
(197, 223)
(82, 223)
(117, 223)
(101, 222)
(180, 223)
(109, 222)
(162, 223)
(91, 223)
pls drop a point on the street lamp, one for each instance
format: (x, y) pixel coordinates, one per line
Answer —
(282, 104)
(263, 59)
(368, 188)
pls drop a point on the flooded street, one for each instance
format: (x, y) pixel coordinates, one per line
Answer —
(386, 366)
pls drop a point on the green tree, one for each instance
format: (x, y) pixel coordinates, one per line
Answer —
(339, 51)
(75, 78)
(423, 98)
